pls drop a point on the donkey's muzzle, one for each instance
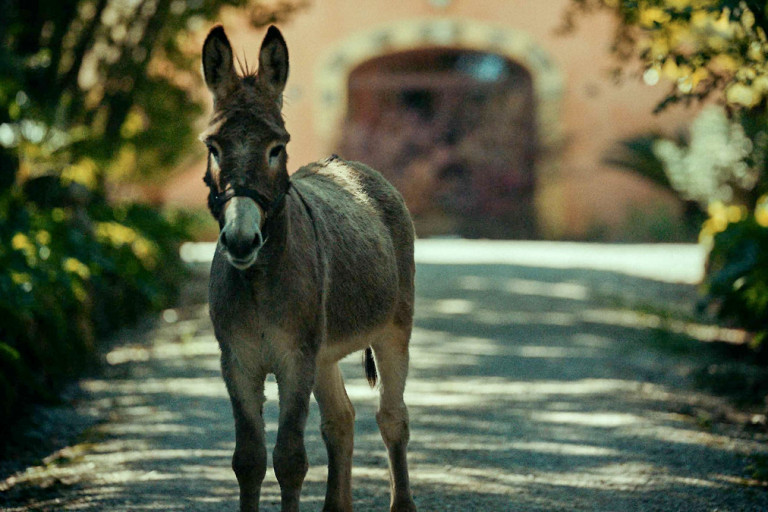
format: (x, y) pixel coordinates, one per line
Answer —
(241, 248)
(241, 238)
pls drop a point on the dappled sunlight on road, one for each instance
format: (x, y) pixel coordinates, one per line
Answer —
(588, 419)
(527, 391)
(580, 450)
(638, 320)
(526, 287)
(546, 395)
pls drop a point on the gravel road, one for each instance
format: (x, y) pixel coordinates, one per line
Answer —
(532, 388)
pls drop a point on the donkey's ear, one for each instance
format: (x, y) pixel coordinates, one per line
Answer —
(218, 63)
(273, 61)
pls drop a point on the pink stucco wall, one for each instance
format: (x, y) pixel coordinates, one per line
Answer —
(580, 192)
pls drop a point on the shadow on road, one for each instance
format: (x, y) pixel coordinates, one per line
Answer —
(525, 393)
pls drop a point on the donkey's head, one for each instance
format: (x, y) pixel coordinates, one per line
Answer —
(246, 176)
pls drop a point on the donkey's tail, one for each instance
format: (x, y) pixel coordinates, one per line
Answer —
(370, 367)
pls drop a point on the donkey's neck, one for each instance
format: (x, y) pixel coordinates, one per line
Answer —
(289, 247)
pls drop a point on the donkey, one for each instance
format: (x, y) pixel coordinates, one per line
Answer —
(308, 269)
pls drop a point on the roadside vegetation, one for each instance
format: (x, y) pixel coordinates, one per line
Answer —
(711, 51)
(95, 95)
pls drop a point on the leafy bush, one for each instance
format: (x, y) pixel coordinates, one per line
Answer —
(720, 174)
(737, 278)
(72, 266)
(70, 272)
(714, 49)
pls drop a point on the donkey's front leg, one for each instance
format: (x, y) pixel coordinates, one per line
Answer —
(250, 459)
(295, 380)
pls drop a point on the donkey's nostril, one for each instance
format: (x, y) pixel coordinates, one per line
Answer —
(241, 245)
(238, 249)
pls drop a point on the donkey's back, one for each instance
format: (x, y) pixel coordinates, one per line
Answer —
(367, 235)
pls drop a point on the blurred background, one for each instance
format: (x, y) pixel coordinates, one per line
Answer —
(579, 120)
(490, 118)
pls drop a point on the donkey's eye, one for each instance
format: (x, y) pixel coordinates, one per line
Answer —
(213, 150)
(274, 154)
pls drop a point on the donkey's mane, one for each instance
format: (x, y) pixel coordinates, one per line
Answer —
(245, 71)
(251, 100)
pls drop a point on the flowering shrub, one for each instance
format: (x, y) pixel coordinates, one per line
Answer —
(722, 170)
(91, 95)
(703, 49)
(738, 282)
(714, 165)
(69, 274)
(698, 46)
(737, 278)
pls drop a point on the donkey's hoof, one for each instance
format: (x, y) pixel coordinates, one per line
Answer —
(403, 506)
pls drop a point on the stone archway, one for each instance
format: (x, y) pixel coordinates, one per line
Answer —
(344, 66)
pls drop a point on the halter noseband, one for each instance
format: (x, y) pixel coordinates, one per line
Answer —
(217, 201)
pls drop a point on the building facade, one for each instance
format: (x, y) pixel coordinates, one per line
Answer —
(490, 120)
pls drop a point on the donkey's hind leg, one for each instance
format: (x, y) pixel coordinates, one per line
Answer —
(337, 425)
(392, 361)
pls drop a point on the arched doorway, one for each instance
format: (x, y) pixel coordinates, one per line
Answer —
(455, 131)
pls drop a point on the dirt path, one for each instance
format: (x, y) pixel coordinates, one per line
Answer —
(528, 391)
